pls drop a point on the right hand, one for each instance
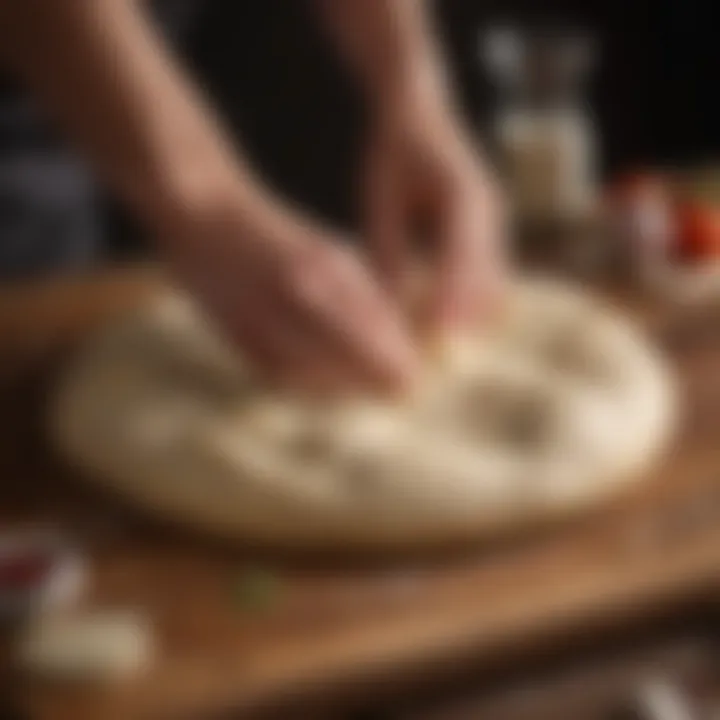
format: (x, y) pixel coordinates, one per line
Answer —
(302, 306)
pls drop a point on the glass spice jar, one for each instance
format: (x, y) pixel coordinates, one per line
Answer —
(545, 139)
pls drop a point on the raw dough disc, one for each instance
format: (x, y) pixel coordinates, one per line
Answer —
(559, 406)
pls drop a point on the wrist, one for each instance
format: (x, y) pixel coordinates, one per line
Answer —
(419, 83)
(178, 199)
(414, 102)
(390, 45)
(209, 213)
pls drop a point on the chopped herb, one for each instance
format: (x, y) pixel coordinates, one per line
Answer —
(257, 589)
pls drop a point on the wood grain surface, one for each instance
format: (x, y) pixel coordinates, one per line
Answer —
(334, 621)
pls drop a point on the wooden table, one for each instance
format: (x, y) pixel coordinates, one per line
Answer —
(338, 622)
(611, 682)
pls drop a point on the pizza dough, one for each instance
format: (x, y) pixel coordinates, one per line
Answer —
(558, 406)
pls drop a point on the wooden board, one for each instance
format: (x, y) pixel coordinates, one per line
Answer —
(603, 685)
(338, 621)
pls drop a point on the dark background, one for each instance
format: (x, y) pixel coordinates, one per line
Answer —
(279, 84)
(281, 88)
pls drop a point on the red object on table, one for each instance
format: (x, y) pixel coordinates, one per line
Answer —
(24, 569)
(37, 571)
(699, 224)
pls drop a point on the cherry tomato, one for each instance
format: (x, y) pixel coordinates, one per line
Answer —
(699, 225)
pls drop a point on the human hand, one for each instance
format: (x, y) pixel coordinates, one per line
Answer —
(424, 179)
(302, 307)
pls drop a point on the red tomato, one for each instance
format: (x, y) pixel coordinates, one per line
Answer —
(699, 230)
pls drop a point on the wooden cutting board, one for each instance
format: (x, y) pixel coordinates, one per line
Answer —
(332, 622)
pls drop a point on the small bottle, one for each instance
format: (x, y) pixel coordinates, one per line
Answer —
(544, 133)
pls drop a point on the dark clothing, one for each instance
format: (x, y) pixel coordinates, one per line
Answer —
(53, 217)
(48, 216)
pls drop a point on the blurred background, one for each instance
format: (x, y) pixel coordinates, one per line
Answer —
(278, 84)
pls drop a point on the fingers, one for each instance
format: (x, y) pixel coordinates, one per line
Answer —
(469, 274)
(372, 335)
(304, 310)
(327, 327)
(352, 321)
(384, 213)
(281, 350)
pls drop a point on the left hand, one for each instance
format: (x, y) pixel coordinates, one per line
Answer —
(423, 176)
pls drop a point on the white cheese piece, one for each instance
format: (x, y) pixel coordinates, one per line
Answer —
(95, 646)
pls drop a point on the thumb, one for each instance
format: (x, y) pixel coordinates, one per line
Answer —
(384, 221)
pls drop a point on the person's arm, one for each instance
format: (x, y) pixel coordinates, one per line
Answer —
(100, 68)
(423, 174)
(390, 44)
(302, 307)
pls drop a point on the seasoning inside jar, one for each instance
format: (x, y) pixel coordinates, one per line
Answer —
(544, 134)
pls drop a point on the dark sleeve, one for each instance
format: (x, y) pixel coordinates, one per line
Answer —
(48, 217)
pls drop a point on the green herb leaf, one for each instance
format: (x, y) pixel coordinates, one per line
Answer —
(257, 589)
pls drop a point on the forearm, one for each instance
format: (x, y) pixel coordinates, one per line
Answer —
(390, 44)
(100, 68)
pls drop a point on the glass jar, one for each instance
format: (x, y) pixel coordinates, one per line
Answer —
(544, 133)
